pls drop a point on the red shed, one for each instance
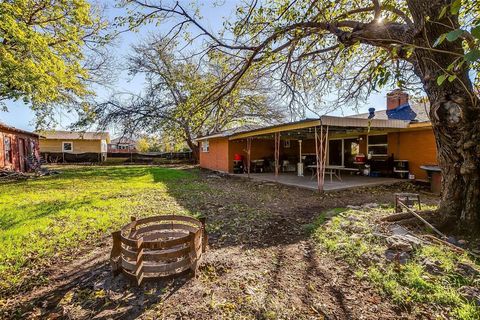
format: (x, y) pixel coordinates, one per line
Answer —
(18, 149)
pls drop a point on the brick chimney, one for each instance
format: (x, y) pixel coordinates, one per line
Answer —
(396, 98)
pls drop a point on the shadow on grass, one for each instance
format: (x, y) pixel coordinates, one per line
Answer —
(38, 211)
(159, 174)
(246, 213)
(91, 291)
(101, 174)
(84, 288)
(239, 213)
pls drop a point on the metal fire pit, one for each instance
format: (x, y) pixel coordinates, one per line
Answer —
(158, 247)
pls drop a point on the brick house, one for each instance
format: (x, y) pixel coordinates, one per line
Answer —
(395, 142)
(19, 149)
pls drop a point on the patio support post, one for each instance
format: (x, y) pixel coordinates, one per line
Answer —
(321, 143)
(277, 153)
(319, 156)
(249, 149)
(325, 150)
(300, 163)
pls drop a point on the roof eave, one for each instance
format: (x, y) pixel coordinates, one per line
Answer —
(326, 121)
(367, 123)
(212, 136)
(277, 128)
(16, 130)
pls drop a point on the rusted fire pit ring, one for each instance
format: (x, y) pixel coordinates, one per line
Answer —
(158, 247)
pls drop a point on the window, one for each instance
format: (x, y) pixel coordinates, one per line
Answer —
(8, 149)
(205, 146)
(378, 145)
(67, 146)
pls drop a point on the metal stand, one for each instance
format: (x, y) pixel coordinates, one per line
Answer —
(408, 199)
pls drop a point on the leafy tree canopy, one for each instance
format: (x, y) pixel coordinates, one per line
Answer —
(42, 46)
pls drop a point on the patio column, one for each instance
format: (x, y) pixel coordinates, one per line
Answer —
(277, 152)
(300, 163)
(321, 145)
(249, 149)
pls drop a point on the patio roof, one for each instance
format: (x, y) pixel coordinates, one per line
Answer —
(338, 123)
(334, 123)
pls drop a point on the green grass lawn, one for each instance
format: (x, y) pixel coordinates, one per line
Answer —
(51, 217)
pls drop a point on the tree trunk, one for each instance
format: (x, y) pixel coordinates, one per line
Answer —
(195, 150)
(454, 113)
(457, 133)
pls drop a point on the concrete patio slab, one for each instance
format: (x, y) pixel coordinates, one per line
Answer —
(348, 181)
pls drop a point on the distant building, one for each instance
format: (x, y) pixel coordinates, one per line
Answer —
(18, 149)
(68, 146)
(122, 145)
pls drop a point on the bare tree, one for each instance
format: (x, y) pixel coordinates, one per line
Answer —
(174, 99)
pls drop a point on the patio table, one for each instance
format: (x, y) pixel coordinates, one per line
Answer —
(332, 171)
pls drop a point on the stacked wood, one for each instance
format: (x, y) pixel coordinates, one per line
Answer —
(9, 175)
(158, 247)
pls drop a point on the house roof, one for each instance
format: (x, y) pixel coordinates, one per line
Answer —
(6, 127)
(123, 140)
(71, 135)
(229, 132)
(419, 108)
(332, 121)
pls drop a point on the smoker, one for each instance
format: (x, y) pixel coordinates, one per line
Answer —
(238, 164)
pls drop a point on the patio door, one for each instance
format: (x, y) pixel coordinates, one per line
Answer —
(351, 148)
(335, 152)
(342, 152)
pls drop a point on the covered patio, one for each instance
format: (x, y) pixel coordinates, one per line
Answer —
(318, 154)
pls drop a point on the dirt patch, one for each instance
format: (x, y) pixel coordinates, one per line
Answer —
(260, 264)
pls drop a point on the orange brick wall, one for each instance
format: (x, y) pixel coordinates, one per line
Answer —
(265, 148)
(308, 146)
(217, 156)
(418, 147)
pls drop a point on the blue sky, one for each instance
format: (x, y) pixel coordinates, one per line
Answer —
(22, 117)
